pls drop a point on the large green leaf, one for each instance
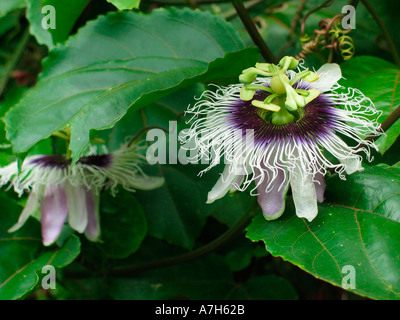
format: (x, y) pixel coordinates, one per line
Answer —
(377, 189)
(26, 256)
(359, 231)
(378, 80)
(131, 60)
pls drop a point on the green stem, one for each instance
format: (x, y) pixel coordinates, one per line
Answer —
(138, 134)
(323, 5)
(223, 239)
(253, 32)
(12, 63)
(229, 15)
(384, 30)
(231, 233)
(353, 3)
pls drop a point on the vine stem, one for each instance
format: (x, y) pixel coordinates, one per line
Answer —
(12, 63)
(253, 32)
(384, 30)
(385, 125)
(223, 239)
(323, 5)
(231, 233)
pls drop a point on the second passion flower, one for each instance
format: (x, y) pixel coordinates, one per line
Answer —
(65, 193)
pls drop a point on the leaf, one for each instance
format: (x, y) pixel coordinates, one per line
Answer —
(177, 211)
(378, 80)
(8, 23)
(141, 60)
(125, 4)
(123, 224)
(35, 17)
(362, 235)
(8, 6)
(67, 12)
(27, 256)
(377, 189)
(242, 253)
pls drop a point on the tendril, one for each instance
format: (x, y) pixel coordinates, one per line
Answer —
(330, 35)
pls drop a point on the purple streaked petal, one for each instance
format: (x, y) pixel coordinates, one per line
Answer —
(78, 212)
(272, 202)
(319, 183)
(92, 231)
(53, 213)
(237, 183)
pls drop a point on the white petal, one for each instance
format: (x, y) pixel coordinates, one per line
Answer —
(272, 202)
(78, 213)
(223, 184)
(352, 164)
(31, 206)
(304, 195)
(328, 74)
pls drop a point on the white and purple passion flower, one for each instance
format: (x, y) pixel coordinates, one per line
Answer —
(61, 192)
(282, 128)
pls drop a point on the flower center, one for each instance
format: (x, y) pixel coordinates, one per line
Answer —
(284, 101)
